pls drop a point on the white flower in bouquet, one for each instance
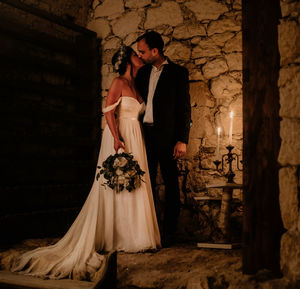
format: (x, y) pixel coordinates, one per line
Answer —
(130, 174)
(121, 172)
(121, 180)
(120, 162)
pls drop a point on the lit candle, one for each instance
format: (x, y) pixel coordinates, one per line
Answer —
(218, 144)
(230, 127)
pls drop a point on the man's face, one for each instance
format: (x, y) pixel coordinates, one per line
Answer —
(147, 55)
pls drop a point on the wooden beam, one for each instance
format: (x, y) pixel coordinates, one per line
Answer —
(262, 226)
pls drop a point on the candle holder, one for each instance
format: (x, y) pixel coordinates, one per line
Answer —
(228, 158)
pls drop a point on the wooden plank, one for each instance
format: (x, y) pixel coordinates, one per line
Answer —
(13, 60)
(10, 86)
(40, 39)
(227, 246)
(19, 281)
(223, 185)
(207, 198)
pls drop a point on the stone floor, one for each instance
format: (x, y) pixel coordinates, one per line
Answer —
(183, 266)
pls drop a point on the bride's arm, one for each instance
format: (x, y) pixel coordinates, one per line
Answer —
(113, 96)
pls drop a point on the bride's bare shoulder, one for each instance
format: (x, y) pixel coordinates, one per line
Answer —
(117, 80)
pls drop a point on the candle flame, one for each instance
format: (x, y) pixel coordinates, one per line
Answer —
(219, 130)
(231, 114)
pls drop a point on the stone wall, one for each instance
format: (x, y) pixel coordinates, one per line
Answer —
(204, 36)
(289, 157)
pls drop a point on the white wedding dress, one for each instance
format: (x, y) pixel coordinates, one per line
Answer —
(124, 221)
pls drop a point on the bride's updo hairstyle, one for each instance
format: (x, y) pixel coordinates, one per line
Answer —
(121, 58)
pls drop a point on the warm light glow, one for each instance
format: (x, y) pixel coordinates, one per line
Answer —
(218, 144)
(230, 127)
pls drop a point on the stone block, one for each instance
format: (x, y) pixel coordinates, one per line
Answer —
(290, 246)
(234, 61)
(288, 41)
(109, 7)
(288, 197)
(200, 61)
(130, 40)
(165, 39)
(193, 147)
(100, 26)
(200, 94)
(206, 48)
(197, 283)
(168, 31)
(237, 4)
(290, 146)
(137, 3)
(195, 40)
(107, 56)
(282, 283)
(195, 181)
(112, 43)
(220, 39)
(126, 24)
(187, 31)
(237, 75)
(178, 51)
(168, 14)
(234, 44)
(289, 87)
(225, 86)
(290, 9)
(206, 9)
(223, 25)
(214, 68)
(196, 74)
(202, 126)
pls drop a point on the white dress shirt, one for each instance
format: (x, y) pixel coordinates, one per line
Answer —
(154, 76)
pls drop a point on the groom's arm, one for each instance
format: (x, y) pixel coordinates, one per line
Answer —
(183, 106)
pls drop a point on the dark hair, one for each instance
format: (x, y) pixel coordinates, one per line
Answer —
(121, 58)
(153, 40)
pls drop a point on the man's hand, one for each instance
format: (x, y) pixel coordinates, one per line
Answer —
(179, 150)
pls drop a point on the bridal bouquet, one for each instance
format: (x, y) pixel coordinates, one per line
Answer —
(121, 172)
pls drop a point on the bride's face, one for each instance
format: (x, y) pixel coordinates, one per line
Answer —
(135, 60)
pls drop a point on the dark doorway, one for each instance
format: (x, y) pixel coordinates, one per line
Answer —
(49, 124)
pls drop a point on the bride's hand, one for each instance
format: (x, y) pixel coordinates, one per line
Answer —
(118, 144)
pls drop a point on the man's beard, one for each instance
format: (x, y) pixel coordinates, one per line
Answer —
(148, 61)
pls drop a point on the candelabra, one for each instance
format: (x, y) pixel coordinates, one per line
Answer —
(228, 158)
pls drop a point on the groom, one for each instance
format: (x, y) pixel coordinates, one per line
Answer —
(164, 86)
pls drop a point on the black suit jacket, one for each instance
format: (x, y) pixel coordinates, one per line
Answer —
(171, 102)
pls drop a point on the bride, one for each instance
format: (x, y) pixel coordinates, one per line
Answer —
(123, 221)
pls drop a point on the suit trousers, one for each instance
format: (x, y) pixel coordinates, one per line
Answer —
(158, 153)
